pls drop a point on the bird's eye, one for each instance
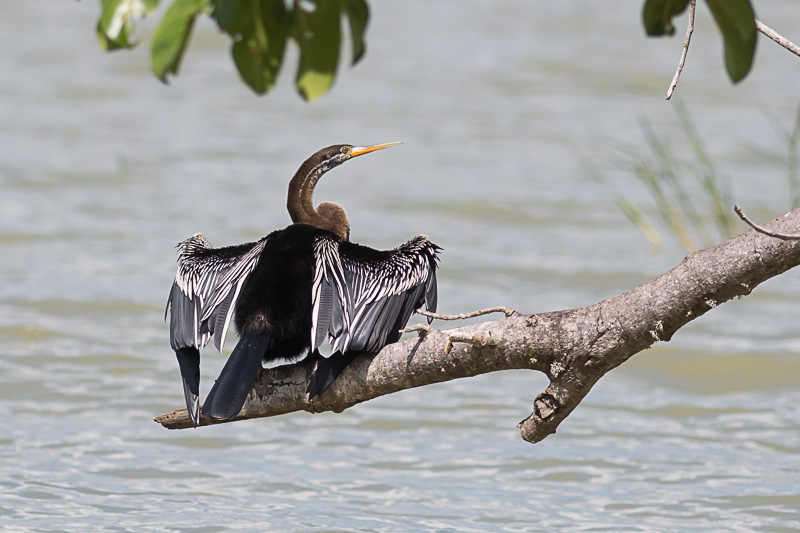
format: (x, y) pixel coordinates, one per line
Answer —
(345, 150)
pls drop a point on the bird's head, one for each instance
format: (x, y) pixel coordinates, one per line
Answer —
(335, 155)
(327, 215)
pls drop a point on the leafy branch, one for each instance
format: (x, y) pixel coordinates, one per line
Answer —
(735, 18)
(259, 31)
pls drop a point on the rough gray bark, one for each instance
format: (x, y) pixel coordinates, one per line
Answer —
(574, 348)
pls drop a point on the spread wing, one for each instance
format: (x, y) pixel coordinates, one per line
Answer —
(362, 297)
(205, 290)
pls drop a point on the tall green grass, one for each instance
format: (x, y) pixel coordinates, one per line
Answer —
(693, 200)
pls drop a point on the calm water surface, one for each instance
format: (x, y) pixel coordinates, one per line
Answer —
(502, 107)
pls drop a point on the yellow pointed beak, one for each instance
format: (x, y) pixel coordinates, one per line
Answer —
(361, 150)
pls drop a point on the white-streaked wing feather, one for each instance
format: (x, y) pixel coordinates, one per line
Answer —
(328, 273)
(206, 287)
(367, 295)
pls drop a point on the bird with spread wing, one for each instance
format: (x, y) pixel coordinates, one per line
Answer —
(290, 292)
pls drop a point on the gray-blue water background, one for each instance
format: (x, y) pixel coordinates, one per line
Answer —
(505, 107)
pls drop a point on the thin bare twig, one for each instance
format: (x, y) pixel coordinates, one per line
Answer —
(689, 30)
(474, 339)
(423, 329)
(760, 26)
(498, 309)
(782, 236)
(777, 37)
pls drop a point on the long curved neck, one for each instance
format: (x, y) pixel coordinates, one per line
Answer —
(300, 202)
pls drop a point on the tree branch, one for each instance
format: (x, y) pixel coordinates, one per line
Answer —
(498, 309)
(777, 37)
(760, 26)
(574, 348)
(686, 41)
(760, 229)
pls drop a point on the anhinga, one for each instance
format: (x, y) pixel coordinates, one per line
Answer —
(290, 290)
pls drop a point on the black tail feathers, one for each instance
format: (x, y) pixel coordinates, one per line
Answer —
(189, 363)
(228, 394)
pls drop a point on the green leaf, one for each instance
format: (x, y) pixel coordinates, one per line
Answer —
(259, 29)
(172, 36)
(318, 33)
(230, 14)
(736, 21)
(115, 27)
(657, 15)
(357, 13)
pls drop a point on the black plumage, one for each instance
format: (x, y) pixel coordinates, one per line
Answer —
(290, 292)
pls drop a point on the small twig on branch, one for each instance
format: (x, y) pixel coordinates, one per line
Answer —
(462, 316)
(777, 37)
(782, 236)
(474, 339)
(422, 328)
(689, 30)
